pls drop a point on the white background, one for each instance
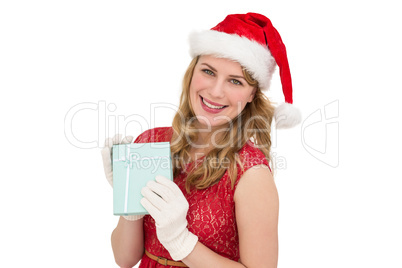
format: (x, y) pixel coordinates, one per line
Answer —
(340, 190)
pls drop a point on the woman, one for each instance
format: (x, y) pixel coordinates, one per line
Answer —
(221, 210)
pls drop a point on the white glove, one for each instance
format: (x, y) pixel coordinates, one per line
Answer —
(166, 203)
(106, 153)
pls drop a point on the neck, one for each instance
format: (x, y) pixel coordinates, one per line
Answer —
(207, 137)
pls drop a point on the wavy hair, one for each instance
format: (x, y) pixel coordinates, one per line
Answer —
(253, 123)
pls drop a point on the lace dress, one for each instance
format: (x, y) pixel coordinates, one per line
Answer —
(211, 214)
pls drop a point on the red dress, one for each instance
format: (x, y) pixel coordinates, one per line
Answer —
(211, 214)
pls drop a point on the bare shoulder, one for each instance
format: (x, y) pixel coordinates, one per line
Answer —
(257, 179)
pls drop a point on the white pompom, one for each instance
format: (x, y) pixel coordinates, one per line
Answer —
(287, 116)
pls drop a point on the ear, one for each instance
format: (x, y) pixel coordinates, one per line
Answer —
(252, 95)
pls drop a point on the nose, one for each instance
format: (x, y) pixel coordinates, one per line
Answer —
(216, 89)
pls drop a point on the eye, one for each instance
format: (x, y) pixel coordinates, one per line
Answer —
(236, 82)
(207, 71)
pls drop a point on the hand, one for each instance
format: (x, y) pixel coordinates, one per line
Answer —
(166, 203)
(106, 153)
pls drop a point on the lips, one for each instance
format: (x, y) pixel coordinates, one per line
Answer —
(210, 106)
(213, 103)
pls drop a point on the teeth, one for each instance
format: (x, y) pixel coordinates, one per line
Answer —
(212, 106)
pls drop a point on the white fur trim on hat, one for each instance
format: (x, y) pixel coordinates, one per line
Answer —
(254, 57)
(286, 115)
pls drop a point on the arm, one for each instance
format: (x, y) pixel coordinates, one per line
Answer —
(128, 242)
(202, 256)
(166, 203)
(128, 237)
(257, 212)
(257, 207)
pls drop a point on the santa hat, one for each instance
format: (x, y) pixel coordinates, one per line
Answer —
(251, 40)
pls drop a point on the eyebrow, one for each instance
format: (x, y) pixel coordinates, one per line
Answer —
(213, 69)
(209, 66)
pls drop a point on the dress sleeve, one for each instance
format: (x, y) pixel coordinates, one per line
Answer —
(160, 134)
(144, 137)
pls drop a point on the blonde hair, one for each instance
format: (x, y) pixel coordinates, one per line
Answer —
(253, 123)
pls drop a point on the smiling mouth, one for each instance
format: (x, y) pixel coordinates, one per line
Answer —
(209, 105)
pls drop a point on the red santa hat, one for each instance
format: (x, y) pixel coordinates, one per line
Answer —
(251, 40)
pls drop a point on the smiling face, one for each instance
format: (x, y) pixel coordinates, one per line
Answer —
(218, 91)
